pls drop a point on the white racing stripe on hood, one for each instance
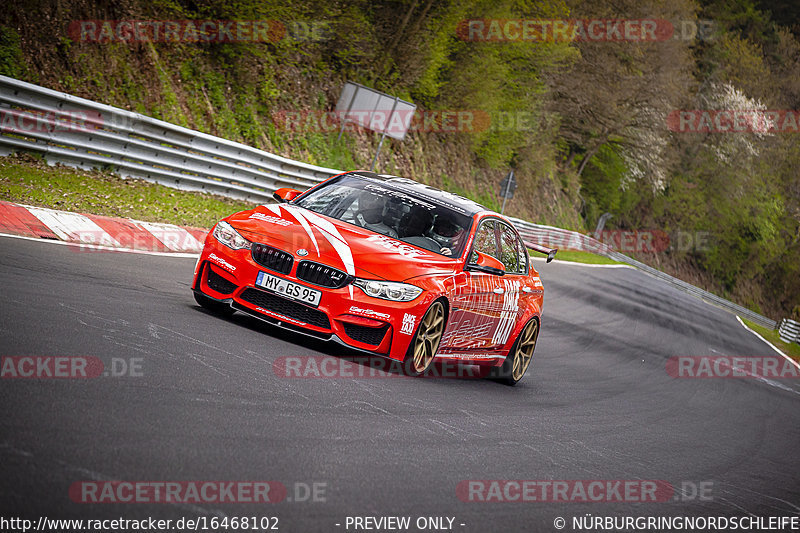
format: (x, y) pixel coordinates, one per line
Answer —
(298, 215)
(274, 208)
(332, 235)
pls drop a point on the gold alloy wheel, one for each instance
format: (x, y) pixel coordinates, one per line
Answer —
(524, 351)
(429, 334)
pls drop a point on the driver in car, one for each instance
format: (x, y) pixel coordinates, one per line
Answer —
(447, 233)
(370, 214)
(415, 227)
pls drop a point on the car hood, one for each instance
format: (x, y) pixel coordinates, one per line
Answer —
(357, 251)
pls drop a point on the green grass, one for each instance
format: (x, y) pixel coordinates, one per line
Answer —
(575, 256)
(29, 180)
(790, 349)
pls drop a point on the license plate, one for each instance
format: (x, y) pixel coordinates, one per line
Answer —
(287, 288)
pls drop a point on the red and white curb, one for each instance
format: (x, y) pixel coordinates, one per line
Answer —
(95, 232)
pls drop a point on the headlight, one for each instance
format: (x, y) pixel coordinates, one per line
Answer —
(228, 236)
(388, 290)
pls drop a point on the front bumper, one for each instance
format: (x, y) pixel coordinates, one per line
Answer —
(345, 315)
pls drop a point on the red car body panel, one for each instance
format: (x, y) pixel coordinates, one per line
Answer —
(485, 312)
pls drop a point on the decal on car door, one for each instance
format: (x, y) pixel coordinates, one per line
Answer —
(508, 315)
(473, 323)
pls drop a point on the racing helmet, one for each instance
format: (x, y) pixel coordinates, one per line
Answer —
(415, 223)
(445, 229)
(370, 207)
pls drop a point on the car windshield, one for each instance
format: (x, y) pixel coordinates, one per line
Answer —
(422, 222)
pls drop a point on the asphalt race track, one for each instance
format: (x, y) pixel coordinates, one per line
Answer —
(597, 404)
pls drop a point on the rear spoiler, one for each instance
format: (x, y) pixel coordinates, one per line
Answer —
(550, 252)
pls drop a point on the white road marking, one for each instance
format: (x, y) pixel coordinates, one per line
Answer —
(95, 247)
(795, 363)
(562, 262)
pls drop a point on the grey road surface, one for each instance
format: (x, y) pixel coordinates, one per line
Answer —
(597, 404)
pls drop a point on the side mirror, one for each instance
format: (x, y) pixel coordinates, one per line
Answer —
(487, 263)
(285, 195)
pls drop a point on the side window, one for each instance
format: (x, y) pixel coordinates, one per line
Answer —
(485, 241)
(513, 253)
(523, 257)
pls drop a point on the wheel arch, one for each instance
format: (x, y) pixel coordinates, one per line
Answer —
(512, 339)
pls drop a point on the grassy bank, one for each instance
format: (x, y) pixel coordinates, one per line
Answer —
(576, 256)
(29, 180)
(771, 335)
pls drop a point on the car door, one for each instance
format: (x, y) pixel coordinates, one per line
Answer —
(516, 291)
(478, 300)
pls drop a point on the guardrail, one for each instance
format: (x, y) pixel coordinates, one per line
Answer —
(78, 132)
(789, 331)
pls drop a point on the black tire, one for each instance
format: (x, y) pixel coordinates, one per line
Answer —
(422, 350)
(216, 307)
(519, 357)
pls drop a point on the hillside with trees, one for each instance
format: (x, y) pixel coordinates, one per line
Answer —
(588, 125)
